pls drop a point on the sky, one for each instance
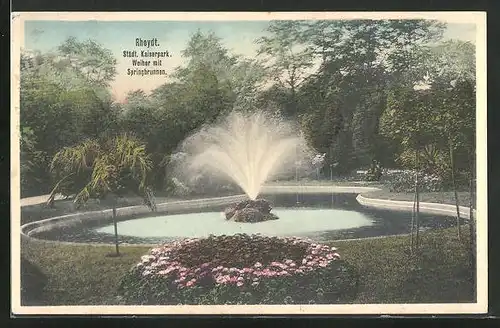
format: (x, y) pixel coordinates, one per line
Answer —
(117, 36)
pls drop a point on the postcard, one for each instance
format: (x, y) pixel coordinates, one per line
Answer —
(249, 163)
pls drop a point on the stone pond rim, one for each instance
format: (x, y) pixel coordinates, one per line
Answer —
(28, 229)
(250, 211)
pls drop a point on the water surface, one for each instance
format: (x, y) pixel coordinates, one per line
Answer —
(299, 221)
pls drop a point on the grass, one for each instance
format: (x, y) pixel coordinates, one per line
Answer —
(440, 272)
(443, 197)
(80, 274)
(84, 275)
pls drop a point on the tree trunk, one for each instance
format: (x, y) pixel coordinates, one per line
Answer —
(50, 201)
(331, 182)
(116, 230)
(472, 221)
(417, 196)
(412, 228)
(454, 182)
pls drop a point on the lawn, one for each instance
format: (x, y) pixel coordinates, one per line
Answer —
(84, 275)
(446, 197)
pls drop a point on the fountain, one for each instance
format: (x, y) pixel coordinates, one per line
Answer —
(247, 149)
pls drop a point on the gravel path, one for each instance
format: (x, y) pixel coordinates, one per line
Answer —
(37, 200)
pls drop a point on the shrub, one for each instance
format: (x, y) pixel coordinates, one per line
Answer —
(240, 269)
(374, 173)
(33, 281)
(404, 181)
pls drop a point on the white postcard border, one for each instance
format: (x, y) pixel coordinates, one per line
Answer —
(481, 306)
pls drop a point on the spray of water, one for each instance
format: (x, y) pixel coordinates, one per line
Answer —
(247, 149)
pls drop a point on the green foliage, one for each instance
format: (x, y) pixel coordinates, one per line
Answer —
(33, 282)
(405, 182)
(439, 121)
(350, 85)
(31, 162)
(61, 106)
(115, 166)
(93, 62)
(375, 172)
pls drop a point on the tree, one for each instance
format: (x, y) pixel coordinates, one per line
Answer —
(358, 61)
(454, 98)
(289, 60)
(239, 77)
(408, 119)
(62, 104)
(106, 170)
(90, 60)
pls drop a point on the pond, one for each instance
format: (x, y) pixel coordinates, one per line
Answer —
(321, 217)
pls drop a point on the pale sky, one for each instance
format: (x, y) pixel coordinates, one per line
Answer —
(237, 36)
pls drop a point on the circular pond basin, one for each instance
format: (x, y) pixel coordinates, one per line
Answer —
(320, 217)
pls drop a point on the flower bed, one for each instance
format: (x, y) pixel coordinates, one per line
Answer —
(239, 269)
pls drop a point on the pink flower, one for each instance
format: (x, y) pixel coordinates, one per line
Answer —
(147, 258)
(240, 279)
(222, 279)
(239, 284)
(269, 273)
(247, 270)
(189, 283)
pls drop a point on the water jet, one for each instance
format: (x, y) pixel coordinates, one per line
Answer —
(247, 149)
